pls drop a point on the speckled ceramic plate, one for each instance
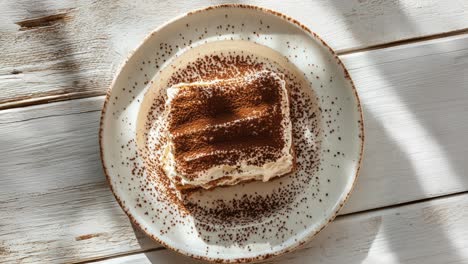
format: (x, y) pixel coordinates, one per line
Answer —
(256, 220)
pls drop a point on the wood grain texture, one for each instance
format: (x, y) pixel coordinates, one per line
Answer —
(429, 232)
(415, 99)
(55, 50)
(56, 207)
(55, 203)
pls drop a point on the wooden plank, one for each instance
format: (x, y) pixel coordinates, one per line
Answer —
(54, 195)
(65, 225)
(414, 99)
(49, 147)
(429, 232)
(54, 50)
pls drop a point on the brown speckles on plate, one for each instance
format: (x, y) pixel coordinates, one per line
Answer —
(301, 204)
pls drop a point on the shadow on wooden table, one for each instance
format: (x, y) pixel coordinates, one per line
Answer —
(41, 220)
(401, 134)
(413, 141)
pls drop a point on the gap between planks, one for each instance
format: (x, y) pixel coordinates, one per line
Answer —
(49, 99)
(405, 41)
(344, 216)
(135, 252)
(77, 95)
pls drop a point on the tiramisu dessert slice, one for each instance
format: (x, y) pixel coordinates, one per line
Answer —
(224, 132)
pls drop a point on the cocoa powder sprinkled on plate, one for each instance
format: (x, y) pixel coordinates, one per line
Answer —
(217, 217)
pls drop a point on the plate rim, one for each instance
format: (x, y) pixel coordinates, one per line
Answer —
(309, 236)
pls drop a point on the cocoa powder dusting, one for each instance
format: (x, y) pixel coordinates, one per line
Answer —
(228, 219)
(223, 122)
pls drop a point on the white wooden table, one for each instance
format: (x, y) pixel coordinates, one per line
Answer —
(409, 60)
